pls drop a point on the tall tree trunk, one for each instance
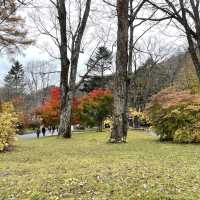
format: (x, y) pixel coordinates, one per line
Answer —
(65, 64)
(131, 29)
(187, 14)
(71, 92)
(76, 45)
(194, 52)
(119, 131)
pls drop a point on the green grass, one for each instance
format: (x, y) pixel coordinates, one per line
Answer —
(86, 167)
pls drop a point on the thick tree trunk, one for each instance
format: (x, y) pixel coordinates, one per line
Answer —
(68, 113)
(65, 64)
(70, 94)
(75, 52)
(120, 123)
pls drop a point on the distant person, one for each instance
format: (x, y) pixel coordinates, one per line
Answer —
(38, 133)
(53, 129)
(49, 128)
(136, 121)
(43, 131)
(130, 121)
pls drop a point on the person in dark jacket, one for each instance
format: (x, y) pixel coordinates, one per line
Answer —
(43, 131)
(136, 121)
(38, 133)
(53, 129)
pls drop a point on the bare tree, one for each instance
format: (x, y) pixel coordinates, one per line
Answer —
(39, 80)
(150, 75)
(66, 29)
(134, 10)
(39, 75)
(184, 14)
(69, 44)
(69, 65)
(133, 23)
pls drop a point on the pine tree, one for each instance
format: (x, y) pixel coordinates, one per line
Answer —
(100, 63)
(93, 82)
(14, 81)
(13, 34)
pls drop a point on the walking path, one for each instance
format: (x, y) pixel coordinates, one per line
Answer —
(34, 136)
(48, 133)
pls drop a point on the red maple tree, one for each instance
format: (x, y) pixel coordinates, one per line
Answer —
(90, 109)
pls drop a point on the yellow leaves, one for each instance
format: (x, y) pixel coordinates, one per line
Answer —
(7, 107)
(8, 120)
(142, 116)
(191, 107)
(175, 112)
(108, 121)
(135, 113)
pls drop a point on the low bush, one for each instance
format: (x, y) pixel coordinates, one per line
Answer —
(175, 115)
(183, 136)
(8, 121)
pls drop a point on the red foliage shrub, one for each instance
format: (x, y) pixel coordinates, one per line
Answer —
(175, 115)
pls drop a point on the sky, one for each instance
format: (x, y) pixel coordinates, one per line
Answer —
(44, 47)
(27, 55)
(101, 29)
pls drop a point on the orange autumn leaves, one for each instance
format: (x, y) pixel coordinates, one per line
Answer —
(91, 107)
(94, 107)
(49, 111)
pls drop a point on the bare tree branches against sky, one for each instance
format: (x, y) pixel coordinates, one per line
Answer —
(101, 29)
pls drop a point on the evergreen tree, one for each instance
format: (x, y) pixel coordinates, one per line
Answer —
(13, 34)
(14, 81)
(93, 82)
(100, 63)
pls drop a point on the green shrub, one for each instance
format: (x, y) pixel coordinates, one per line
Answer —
(176, 115)
(187, 135)
(8, 120)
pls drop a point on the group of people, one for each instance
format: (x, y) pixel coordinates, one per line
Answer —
(134, 122)
(43, 130)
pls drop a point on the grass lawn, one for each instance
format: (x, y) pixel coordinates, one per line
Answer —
(86, 167)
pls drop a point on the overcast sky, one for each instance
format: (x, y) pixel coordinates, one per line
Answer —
(101, 27)
(31, 53)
